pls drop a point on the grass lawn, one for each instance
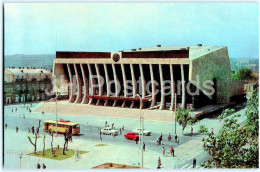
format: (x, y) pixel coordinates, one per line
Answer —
(101, 145)
(58, 154)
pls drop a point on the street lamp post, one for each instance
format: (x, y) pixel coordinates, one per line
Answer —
(20, 156)
(56, 101)
(141, 128)
(175, 112)
(56, 116)
(57, 94)
(140, 111)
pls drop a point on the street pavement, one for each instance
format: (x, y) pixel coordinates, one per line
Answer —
(118, 150)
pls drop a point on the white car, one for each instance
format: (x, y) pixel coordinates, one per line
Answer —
(109, 131)
(146, 132)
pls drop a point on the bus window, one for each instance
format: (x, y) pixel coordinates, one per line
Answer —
(76, 126)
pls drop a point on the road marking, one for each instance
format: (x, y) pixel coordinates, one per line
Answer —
(190, 167)
(184, 166)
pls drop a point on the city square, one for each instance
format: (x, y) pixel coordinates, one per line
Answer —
(130, 86)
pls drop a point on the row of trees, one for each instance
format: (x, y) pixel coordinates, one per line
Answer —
(236, 144)
(243, 74)
(65, 148)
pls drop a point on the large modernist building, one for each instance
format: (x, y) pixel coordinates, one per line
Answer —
(155, 71)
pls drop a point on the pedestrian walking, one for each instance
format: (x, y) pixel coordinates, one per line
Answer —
(43, 166)
(106, 124)
(5, 125)
(23, 116)
(37, 130)
(159, 163)
(177, 140)
(169, 137)
(12, 111)
(29, 131)
(15, 109)
(123, 128)
(38, 166)
(212, 131)
(33, 130)
(194, 163)
(163, 152)
(120, 131)
(161, 136)
(112, 125)
(143, 146)
(17, 129)
(176, 137)
(136, 140)
(191, 131)
(76, 154)
(172, 151)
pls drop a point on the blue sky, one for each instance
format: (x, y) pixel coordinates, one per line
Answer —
(44, 28)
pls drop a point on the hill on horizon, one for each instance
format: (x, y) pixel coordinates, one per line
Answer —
(35, 60)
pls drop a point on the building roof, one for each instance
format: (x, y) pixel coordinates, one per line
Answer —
(194, 51)
(158, 51)
(21, 71)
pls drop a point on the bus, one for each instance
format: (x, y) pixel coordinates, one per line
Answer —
(62, 126)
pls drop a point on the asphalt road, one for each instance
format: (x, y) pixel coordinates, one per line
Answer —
(89, 130)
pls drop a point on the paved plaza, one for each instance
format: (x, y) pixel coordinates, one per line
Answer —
(118, 149)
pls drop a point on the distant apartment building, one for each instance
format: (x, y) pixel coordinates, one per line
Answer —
(249, 89)
(26, 84)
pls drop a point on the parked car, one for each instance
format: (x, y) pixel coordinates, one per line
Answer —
(131, 136)
(109, 131)
(146, 132)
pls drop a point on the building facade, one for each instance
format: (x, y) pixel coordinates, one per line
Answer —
(160, 69)
(249, 89)
(26, 84)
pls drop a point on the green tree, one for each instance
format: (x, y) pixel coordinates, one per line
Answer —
(184, 118)
(35, 142)
(51, 132)
(252, 114)
(203, 130)
(243, 74)
(232, 147)
(44, 136)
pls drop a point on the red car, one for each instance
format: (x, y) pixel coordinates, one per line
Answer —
(131, 136)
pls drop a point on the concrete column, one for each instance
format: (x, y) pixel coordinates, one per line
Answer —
(142, 82)
(153, 86)
(71, 97)
(182, 87)
(107, 83)
(172, 87)
(100, 87)
(116, 86)
(79, 86)
(162, 106)
(134, 84)
(90, 84)
(85, 87)
(124, 81)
